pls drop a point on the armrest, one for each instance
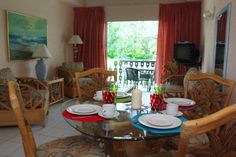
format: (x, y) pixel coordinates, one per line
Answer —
(37, 84)
(31, 96)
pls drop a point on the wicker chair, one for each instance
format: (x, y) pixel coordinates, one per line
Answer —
(210, 92)
(70, 146)
(67, 71)
(35, 95)
(96, 79)
(174, 84)
(220, 128)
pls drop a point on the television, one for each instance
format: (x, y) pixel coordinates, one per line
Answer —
(185, 52)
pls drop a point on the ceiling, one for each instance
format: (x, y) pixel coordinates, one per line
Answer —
(118, 2)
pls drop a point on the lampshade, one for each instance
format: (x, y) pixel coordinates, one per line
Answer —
(75, 39)
(41, 51)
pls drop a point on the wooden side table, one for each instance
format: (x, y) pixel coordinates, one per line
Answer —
(56, 90)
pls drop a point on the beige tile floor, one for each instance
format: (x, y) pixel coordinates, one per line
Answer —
(56, 127)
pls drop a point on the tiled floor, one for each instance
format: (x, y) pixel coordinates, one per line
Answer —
(56, 127)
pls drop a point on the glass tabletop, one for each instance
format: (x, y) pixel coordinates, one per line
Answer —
(118, 128)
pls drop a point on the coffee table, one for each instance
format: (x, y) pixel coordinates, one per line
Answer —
(117, 130)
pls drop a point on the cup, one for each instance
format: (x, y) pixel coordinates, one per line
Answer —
(108, 110)
(172, 109)
(99, 94)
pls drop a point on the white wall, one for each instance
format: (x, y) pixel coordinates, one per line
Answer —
(60, 26)
(209, 39)
(130, 10)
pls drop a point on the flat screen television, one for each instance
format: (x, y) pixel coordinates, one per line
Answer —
(185, 52)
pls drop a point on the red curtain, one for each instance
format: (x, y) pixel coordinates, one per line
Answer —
(89, 23)
(177, 22)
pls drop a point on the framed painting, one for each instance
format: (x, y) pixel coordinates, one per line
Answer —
(24, 32)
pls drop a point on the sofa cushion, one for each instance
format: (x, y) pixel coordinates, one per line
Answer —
(6, 75)
(74, 66)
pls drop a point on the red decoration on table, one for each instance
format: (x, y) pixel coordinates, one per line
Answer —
(86, 118)
(156, 101)
(108, 97)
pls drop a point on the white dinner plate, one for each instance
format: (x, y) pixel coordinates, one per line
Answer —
(175, 122)
(180, 101)
(121, 95)
(84, 109)
(178, 115)
(159, 121)
(113, 116)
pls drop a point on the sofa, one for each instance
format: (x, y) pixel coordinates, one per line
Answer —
(35, 95)
(67, 71)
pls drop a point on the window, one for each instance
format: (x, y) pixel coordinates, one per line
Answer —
(132, 40)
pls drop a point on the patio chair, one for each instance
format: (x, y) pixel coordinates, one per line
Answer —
(132, 75)
(73, 146)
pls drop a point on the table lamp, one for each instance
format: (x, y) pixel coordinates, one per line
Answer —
(41, 68)
(75, 39)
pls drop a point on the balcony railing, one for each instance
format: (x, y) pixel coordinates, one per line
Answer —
(145, 69)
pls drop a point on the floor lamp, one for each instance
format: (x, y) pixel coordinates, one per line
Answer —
(41, 68)
(75, 39)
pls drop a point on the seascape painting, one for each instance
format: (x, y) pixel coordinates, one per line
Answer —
(23, 34)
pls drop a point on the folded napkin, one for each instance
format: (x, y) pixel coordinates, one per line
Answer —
(123, 100)
(84, 118)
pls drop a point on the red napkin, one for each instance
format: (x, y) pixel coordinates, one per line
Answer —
(181, 108)
(86, 118)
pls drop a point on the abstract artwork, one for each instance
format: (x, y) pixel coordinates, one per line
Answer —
(23, 34)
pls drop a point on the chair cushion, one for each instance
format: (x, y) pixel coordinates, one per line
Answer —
(85, 81)
(74, 66)
(73, 146)
(6, 75)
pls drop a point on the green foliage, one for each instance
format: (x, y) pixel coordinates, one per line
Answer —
(132, 40)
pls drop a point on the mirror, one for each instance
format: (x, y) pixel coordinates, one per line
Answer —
(221, 42)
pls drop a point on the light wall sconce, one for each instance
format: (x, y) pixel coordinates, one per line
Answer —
(209, 14)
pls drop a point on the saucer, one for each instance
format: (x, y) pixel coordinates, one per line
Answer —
(109, 117)
(178, 115)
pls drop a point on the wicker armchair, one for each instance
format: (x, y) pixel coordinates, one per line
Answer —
(67, 71)
(174, 84)
(35, 95)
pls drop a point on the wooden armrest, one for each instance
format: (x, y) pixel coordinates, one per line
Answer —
(66, 74)
(37, 84)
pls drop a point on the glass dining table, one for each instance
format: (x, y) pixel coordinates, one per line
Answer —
(117, 131)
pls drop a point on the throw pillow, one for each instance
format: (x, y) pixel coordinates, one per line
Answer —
(6, 75)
